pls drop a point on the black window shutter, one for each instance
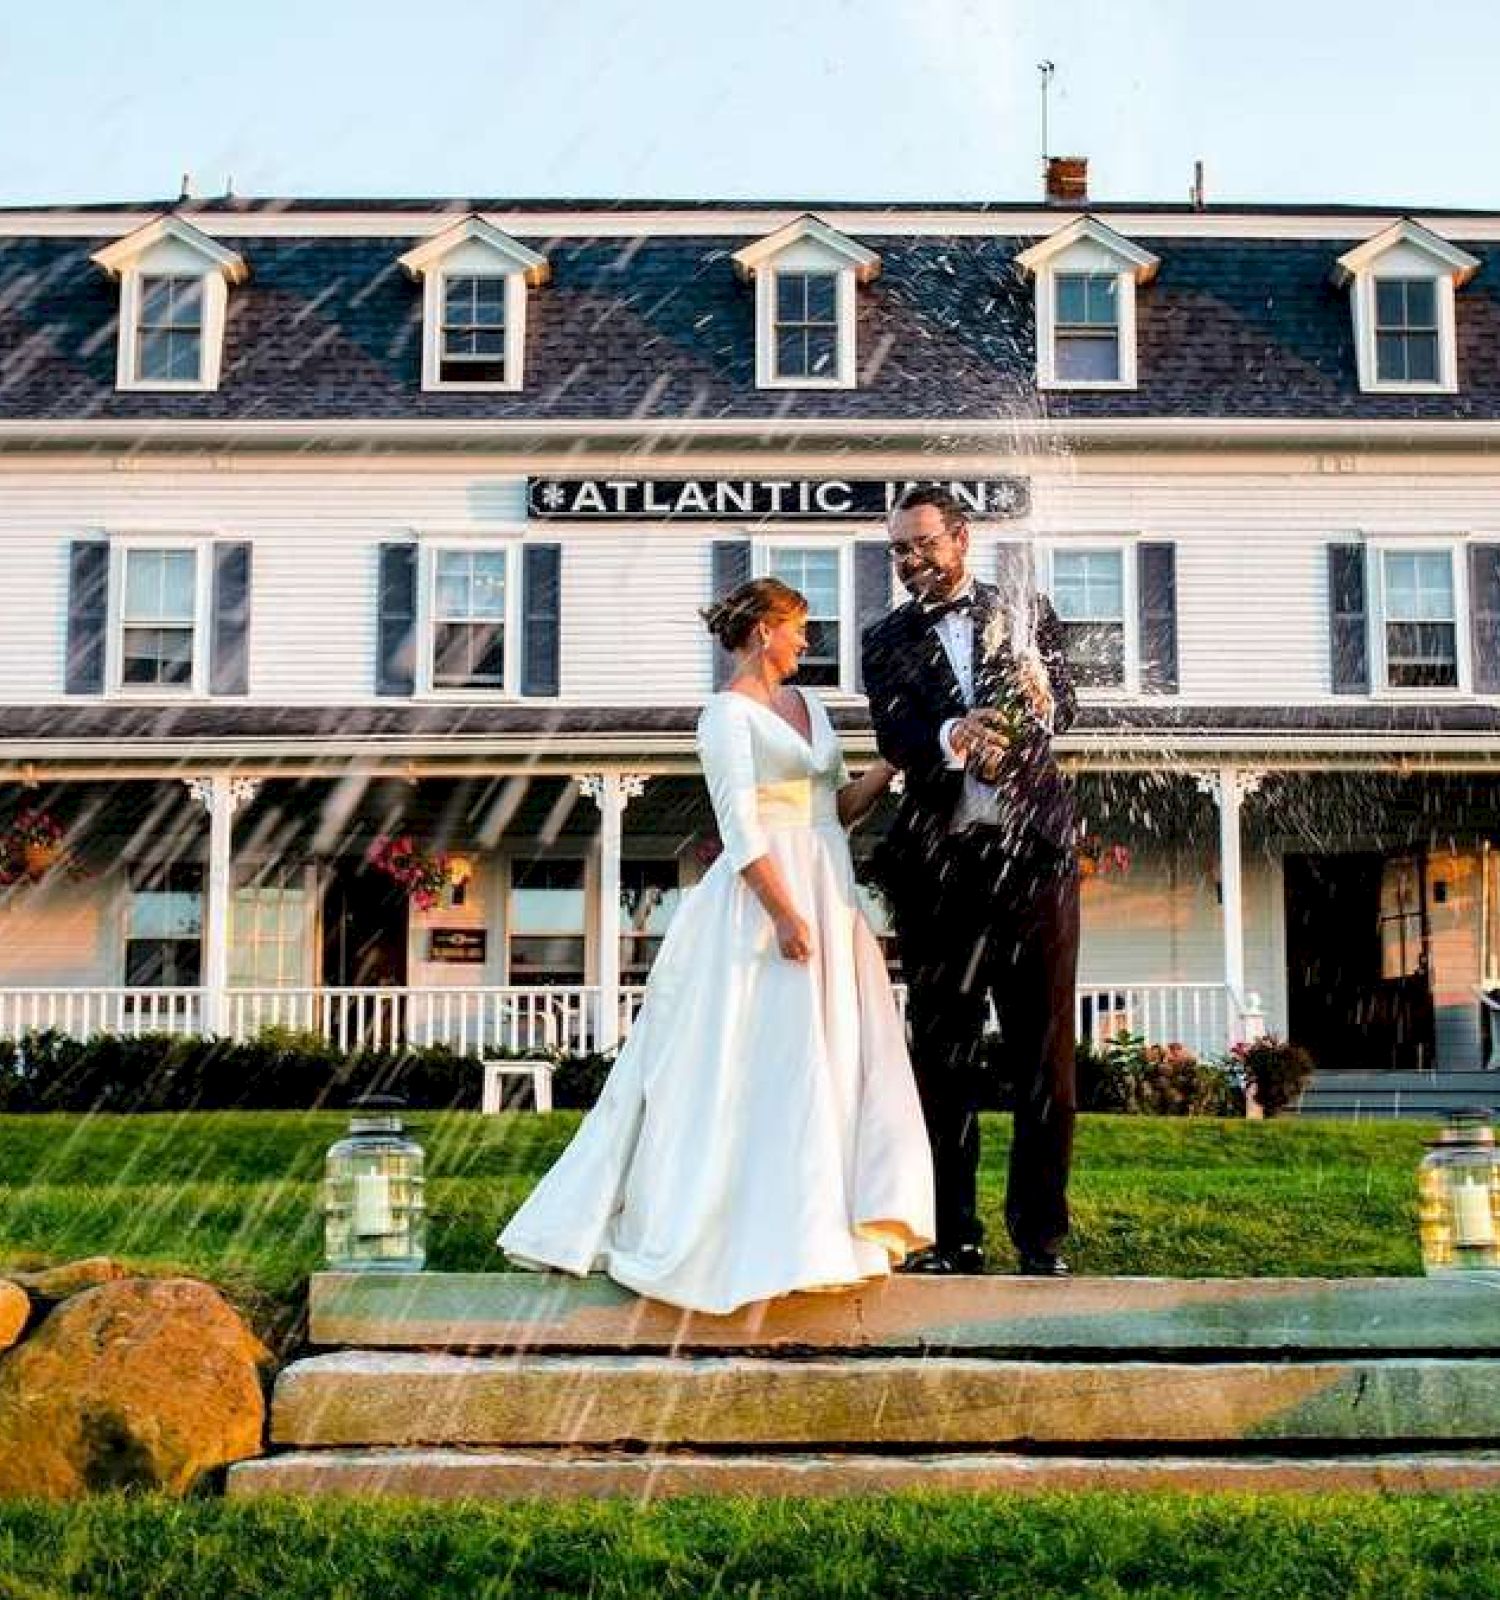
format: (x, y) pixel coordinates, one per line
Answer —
(731, 558)
(88, 616)
(229, 662)
(1348, 619)
(1484, 609)
(396, 641)
(1156, 587)
(872, 591)
(541, 618)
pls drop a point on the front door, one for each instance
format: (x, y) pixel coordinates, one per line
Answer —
(1358, 988)
(364, 929)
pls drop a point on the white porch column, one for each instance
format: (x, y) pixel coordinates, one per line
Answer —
(611, 792)
(1229, 785)
(221, 796)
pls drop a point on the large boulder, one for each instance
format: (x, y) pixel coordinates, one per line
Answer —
(15, 1308)
(134, 1384)
(57, 1283)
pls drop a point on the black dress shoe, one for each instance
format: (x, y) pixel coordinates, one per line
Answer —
(930, 1262)
(1044, 1265)
(967, 1259)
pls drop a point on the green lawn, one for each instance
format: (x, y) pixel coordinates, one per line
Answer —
(234, 1197)
(1078, 1547)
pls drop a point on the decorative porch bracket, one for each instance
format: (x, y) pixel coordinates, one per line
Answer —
(221, 796)
(611, 792)
(1229, 787)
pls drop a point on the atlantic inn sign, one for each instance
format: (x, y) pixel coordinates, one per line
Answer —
(757, 499)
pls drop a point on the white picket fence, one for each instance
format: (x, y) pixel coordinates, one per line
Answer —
(479, 1021)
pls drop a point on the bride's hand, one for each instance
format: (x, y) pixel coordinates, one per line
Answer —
(793, 937)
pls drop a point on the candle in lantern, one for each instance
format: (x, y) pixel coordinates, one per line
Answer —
(1473, 1217)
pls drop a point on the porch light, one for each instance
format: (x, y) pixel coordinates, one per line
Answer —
(1459, 1197)
(374, 1212)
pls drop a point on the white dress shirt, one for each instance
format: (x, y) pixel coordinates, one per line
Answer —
(979, 803)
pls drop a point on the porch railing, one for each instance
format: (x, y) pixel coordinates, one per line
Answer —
(1201, 1016)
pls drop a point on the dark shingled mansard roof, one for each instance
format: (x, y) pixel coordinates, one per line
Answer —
(659, 327)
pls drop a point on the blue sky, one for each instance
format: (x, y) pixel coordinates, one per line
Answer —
(1290, 100)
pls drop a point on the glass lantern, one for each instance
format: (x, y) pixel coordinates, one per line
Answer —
(1459, 1197)
(374, 1212)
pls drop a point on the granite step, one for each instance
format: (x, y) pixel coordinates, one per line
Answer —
(531, 1475)
(399, 1398)
(918, 1317)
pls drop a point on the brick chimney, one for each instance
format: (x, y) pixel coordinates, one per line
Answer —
(1067, 180)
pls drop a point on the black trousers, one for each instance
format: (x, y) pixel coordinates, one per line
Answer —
(989, 921)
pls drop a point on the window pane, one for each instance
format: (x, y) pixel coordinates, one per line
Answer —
(1421, 358)
(1390, 358)
(791, 296)
(1419, 586)
(1087, 358)
(1390, 303)
(821, 663)
(1421, 303)
(822, 353)
(468, 654)
(814, 572)
(822, 296)
(1096, 653)
(1421, 655)
(1086, 299)
(791, 355)
(1089, 585)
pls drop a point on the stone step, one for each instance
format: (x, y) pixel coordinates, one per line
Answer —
(916, 1316)
(532, 1475)
(397, 1398)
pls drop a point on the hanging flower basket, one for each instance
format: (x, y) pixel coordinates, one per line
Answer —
(1098, 858)
(423, 874)
(30, 845)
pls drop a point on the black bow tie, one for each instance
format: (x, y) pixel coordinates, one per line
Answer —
(943, 608)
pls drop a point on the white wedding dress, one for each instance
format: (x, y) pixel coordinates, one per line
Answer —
(760, 1131)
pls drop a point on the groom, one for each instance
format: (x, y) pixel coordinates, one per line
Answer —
(966, 687)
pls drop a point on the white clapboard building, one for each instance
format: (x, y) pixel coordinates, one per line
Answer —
(323, 524)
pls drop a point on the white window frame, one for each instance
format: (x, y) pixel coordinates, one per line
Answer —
(766, 326)
(1405, 249)
(429, 548)
(763, 543)
(1456, 550)
(1086, 245)
(1125, 547)
(120, 548)
(170, 247)
(434, 297)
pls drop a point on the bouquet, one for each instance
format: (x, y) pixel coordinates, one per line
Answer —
(424, 874)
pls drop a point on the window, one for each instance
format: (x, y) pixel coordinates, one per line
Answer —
(1086, 333)
(164, 927)
(1088, 594)
(649, 896)
(1086, 277)
(474, 288)
(158, 619)
(807, 325)
(806, 278)
(174, 293)
(817, 574)
(469, 594)
(1420, 619)
(169, 330)
(546, 921)
(473, 331)
(270, 931)
(1406, 330)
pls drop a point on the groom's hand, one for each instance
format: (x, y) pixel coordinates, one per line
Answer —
(980, 738)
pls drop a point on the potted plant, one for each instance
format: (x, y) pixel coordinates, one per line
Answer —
(423, 874)
(29, 845)
(1100, 858)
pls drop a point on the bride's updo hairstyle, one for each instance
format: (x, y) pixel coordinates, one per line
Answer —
(734, 618)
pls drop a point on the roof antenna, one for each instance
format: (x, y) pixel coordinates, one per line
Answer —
(186, 192)
(1046, 69)
(229, 186)
(1195, 194)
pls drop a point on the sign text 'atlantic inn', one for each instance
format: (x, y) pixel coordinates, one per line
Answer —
(758, 499)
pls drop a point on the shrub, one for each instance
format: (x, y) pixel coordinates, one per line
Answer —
(1276, 1069)
(1127, 1074)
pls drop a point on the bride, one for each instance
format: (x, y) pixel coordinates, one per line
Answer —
(760, 1130)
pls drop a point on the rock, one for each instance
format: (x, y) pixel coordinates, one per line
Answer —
(138, 1383)
(15, 1308)
(57, 1283)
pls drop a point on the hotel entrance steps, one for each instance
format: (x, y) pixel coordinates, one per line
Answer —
(518, 1386)
(1412, 1096)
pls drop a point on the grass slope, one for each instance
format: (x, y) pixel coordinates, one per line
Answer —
(1078, 1547)
(234, 1197)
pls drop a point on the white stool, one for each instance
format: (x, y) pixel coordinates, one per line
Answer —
(538, 1069)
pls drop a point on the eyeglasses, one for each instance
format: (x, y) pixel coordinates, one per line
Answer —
(924, 545)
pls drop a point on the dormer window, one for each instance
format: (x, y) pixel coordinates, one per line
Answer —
(1086, 276)
(174, 288)
(806, 278)
(474, 284)
(1402, 286)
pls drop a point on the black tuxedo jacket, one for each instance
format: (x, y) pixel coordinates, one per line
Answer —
(913, 692)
